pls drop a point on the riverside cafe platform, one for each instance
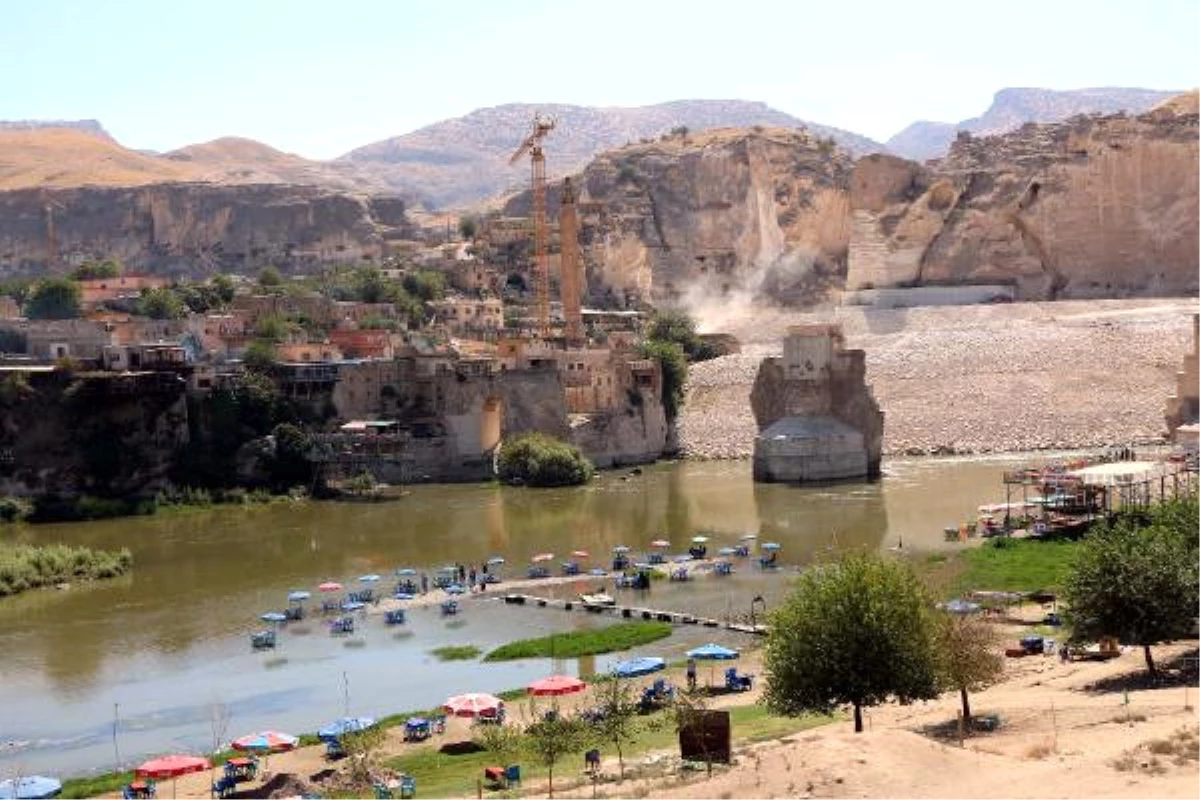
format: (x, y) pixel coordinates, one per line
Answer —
(1072, 493)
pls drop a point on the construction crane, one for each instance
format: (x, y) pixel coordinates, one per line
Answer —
(532, 145)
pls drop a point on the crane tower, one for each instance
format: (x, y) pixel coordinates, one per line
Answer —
(532, 145)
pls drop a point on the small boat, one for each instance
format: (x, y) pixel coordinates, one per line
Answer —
(597, 599)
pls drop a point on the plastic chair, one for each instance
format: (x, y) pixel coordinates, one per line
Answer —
(408, 786)
(512, 774)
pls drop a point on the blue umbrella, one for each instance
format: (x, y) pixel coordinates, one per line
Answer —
(368, 578)
(620, 549)
(273, 616)
(32, 786)
(406, 572)
(352, 606)
(298, 595)
(727, 551)
(340, 727)
(599, 572)
(771, 546)
(403, 596)
(639, 666)
(495, 561)
(454, 588)
(712, 651)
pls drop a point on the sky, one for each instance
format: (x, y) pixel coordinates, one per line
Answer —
(321, 78)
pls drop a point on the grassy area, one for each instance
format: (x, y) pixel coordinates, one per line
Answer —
(95, 786)
(621, 636)
(1017, 564)
(440, 774)
(456, 652)
(25, 566)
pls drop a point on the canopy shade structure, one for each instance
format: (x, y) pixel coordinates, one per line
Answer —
(30, 787)
(540, 557)
(660, 543)
(712, 651)
(265, 742)
(473, 704)
(340, 727)
(639, 666)
(298, 596)
(172, 766)
(556, 685)
(330, 586)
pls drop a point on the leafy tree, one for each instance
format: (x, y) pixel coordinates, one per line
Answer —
(54, 298)
(1137, 582)
(223, 285)
(108, 268)
(18, 289)
(508, 743)
(372, 286)
(673, 366)
(619, 723)
(270, 278)
(160, 303)
(535, 459)
(272, 328)
(966, 648)
(467, 227)
(290, 466)
(260, 356)
(362, 750)
(854, 632)
(552, 737)
(426, 284)
(678, 327)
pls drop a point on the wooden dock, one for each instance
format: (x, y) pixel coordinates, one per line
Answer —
(633, 612)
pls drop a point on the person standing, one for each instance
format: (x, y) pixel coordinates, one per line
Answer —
(691, 674)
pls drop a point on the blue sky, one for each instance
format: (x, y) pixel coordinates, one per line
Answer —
(320, 78)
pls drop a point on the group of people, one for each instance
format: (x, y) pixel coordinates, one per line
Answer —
(475, 580)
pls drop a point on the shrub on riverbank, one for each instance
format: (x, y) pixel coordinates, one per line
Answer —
(28, 567)
(535, 459)
(621, 636)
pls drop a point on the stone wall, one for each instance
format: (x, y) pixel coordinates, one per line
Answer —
(1183, 407)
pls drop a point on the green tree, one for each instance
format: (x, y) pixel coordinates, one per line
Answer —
(552, 737)
(54, 298)
(426, 285)
(223, 285)
(967, 654)
(673, 365)
(160, 303)
(260, 356)
(507, 742)
(619, 723)
(468, 228)
(678, 327)
(290, 466)
(18, 289)
(372, 286)
(854, 632)
(270, 278)
(1137, 580)
(272, 328)
(90, 270)
(535, 459)
(362, 750)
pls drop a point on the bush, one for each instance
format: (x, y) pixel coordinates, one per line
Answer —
(28, 567)
(535, 459)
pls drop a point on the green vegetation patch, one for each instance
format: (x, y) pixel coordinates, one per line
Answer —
(621, 636)
(29, 567)
(463, 652)
(535, 459)
(1018, 564)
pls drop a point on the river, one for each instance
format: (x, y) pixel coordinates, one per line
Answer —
(159, 650)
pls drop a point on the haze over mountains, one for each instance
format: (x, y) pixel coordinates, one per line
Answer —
(461, 162)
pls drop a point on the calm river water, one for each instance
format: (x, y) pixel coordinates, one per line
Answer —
(159, 649)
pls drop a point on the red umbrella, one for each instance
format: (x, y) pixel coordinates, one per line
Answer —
(172, 766)
(330, 586)
(580, 553)
(542, 557)
(556, 684)
(473, 705)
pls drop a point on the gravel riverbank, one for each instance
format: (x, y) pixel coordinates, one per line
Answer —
(972, 379)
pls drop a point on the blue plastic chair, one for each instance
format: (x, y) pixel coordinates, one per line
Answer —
(408, 786)
(512, 774)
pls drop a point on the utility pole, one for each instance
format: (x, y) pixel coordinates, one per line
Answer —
(116, 722)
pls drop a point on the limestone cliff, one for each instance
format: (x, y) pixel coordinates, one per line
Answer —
(193, 227)
(1092, 207)
(697, 216)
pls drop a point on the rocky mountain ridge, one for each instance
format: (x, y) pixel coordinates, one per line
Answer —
(1013, 107)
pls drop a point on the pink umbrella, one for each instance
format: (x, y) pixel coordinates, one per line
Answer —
(542, 557)
(330, 586)
(555, 685)
(266, 742)
(473, 704)
(660, 543)
(580, 554)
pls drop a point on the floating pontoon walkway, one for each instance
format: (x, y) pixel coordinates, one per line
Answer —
(633, 612)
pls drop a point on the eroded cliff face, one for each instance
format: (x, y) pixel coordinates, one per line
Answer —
(1092, 207)
(193, 227)
(695, 217)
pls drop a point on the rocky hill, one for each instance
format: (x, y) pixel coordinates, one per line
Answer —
(1090, 207)
(462, 161)
(700, 218)
(85, 125)
(1012, 108)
